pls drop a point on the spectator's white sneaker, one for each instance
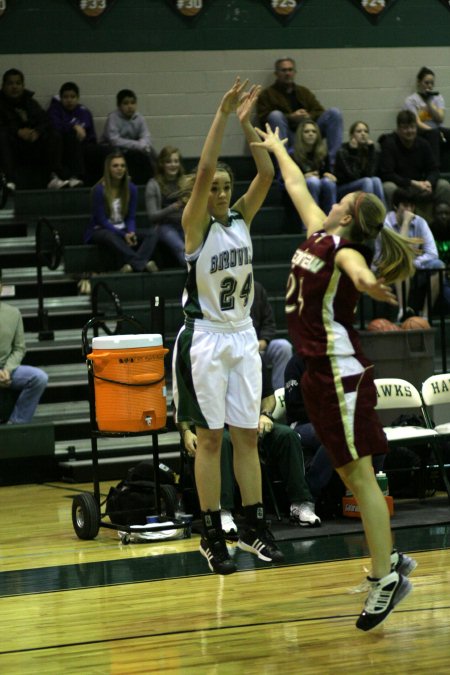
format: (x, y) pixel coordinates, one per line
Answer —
(228, 524)
(303, 514)
(75, 182)
(56, 183)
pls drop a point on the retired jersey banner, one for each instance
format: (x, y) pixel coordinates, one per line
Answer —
(374, 9)
(93, 9)
(284, 9)
(2, 7)
(188, 8)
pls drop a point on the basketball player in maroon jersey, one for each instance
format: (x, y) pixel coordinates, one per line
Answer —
(328, 272)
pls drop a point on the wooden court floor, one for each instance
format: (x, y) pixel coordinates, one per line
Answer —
(100, 607)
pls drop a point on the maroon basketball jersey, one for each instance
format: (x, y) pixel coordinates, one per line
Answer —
(321, 299)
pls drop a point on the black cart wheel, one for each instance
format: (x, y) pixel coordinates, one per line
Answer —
(85, 516)
(168, 500)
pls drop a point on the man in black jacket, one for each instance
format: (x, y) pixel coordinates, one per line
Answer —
(26, 136)
(407, 162)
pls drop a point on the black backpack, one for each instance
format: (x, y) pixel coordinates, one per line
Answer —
(133, 499)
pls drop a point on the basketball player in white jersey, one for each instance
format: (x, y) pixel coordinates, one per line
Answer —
(217, 367)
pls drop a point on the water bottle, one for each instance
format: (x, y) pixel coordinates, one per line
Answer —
(383, 482)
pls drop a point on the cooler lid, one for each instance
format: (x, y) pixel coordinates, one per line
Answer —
(127, 341)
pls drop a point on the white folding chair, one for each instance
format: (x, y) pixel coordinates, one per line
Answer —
(397, 394)
(394, 393)
(436, 392)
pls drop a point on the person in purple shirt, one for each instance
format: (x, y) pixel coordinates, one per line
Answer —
(113, 222)
(82, 158)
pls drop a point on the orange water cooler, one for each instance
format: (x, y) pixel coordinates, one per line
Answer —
(129, 382)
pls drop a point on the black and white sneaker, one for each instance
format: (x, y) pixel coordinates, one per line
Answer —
(216, 553)
(402, 563)
(262, 544)
(383, 596)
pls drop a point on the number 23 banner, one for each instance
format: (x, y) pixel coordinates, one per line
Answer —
(374, 9)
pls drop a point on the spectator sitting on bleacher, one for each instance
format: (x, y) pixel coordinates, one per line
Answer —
(279, 447)
(27, 139)
(428, 106)
(310, 153)
(285, 104)
(29, 382)
(165, 199)
(357, 164)
(407, 162)
(113, 222)
(404, 221)
(126, 130)
(80, 152)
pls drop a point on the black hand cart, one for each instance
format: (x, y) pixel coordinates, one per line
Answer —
(87, 514)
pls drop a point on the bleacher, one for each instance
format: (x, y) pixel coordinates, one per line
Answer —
(60, 431)
(57, 443)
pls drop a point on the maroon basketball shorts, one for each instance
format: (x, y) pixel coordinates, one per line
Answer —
(340, 397)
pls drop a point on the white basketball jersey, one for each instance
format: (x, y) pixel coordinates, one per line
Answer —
(219, 286)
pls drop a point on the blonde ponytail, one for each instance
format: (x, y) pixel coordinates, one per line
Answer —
(396, 259)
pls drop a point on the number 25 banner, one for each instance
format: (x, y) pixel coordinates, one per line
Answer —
(93, 9)
(284, 9)
(374, 9)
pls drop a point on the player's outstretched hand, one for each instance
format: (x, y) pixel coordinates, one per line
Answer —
(232, 97)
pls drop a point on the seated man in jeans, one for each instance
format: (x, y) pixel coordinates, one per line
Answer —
(285, 104)
(280, 447)
(28, 381)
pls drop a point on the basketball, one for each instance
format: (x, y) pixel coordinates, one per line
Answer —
(374, 6)
(382, 325)
(416, 323)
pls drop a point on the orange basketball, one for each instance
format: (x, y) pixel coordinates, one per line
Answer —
(382, 325)
(416, 323)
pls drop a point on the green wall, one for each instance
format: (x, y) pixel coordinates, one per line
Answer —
(57, 26)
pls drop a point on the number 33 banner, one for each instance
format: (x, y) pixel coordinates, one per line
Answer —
(374, 9)
(284, 9)
(93, 9)
(188, 8)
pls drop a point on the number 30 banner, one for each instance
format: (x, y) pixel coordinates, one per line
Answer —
(188, 8)
(374, 9)
(93, 9)
(284, 9)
